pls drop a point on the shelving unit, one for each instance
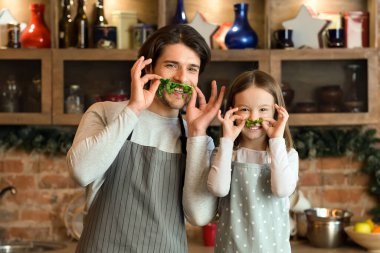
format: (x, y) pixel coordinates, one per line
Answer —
(316, 68)
(61, 67)
(29, 63)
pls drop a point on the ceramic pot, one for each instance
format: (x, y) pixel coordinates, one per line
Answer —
(331, 94)
(36, 34)
(306, 107)
(287, 93)
(241, 35)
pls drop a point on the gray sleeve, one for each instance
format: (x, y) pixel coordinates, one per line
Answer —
(284, 168)
(199, 204)
(97, 141)
(219, 178)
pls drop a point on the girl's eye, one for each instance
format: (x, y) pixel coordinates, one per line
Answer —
(244, 109)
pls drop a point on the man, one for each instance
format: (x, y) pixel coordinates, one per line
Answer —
(131, 155)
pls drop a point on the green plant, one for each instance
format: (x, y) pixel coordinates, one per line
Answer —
(50, 140)
(311, 142)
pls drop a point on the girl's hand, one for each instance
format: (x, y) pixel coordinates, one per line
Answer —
(198, 119)
(276, 128)
(142, 98)
(230, 130)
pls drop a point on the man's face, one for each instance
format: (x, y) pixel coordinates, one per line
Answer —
(180, 64)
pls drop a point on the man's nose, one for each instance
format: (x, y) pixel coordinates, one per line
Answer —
(180, 75)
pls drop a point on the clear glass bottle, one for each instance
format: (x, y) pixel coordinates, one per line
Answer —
(353, 102)
(74, 101)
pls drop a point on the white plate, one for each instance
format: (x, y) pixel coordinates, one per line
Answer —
(73, 215)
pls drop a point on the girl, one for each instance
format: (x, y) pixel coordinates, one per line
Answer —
(254, 188)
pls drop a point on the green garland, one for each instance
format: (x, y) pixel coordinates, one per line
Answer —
(49, 140)
(311, 142)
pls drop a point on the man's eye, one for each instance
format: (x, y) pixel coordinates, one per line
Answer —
(170, 65)
(194, 70)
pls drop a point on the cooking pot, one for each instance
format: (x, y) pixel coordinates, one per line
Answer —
(325, 227)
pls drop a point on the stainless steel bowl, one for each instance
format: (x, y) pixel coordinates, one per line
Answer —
(325, 227)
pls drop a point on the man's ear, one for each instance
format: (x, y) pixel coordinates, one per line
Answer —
(148, 69)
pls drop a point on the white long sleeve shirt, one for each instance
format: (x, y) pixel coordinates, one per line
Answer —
(104, 128)
(284, 166)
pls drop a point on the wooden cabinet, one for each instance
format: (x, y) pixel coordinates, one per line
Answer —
(97, 70)
(306, 71)
(25, 65)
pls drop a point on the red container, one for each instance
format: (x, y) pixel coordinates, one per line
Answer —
(36, 34)
(209, 233)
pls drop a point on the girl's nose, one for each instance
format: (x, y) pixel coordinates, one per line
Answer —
(252, 116)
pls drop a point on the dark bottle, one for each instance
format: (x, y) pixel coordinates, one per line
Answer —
(66, 38)
(180, 15)
(81, 26)
(99, 19)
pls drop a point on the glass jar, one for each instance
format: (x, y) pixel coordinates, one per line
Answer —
(9, 95)
(353, 101)
(74, 102)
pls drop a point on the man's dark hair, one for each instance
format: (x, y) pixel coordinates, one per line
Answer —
(173, 34)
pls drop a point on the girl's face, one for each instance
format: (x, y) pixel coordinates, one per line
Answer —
(254, 103)
(180, 64)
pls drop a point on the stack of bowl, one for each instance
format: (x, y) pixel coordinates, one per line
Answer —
(325, 227)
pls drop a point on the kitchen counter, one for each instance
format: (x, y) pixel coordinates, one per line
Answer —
(301, 246)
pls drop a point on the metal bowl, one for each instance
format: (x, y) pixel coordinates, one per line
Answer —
(325, 227)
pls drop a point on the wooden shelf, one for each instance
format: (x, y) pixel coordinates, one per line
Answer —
(61, 67)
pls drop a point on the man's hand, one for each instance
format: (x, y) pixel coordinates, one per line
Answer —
(142, 98)
(198, 119)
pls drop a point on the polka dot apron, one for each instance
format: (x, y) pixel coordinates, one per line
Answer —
(252, 219)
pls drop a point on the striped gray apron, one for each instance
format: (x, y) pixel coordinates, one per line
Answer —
(139, 206)
(252, 219)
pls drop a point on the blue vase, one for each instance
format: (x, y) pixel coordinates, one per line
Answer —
(180, 15)
(241, 35)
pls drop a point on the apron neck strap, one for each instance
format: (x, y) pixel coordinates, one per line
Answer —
(183, 136)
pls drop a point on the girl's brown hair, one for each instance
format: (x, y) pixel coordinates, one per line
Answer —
(264, 81)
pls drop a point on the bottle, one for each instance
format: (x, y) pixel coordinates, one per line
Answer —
(81, 26)
(66, 26)
(241, 35)
(74, 101)
(180, 15)
(99, 21)
(36, 34)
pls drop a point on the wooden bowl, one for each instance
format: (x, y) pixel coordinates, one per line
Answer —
(370, 241)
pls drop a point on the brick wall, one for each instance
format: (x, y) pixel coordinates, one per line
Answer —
(45, 187)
